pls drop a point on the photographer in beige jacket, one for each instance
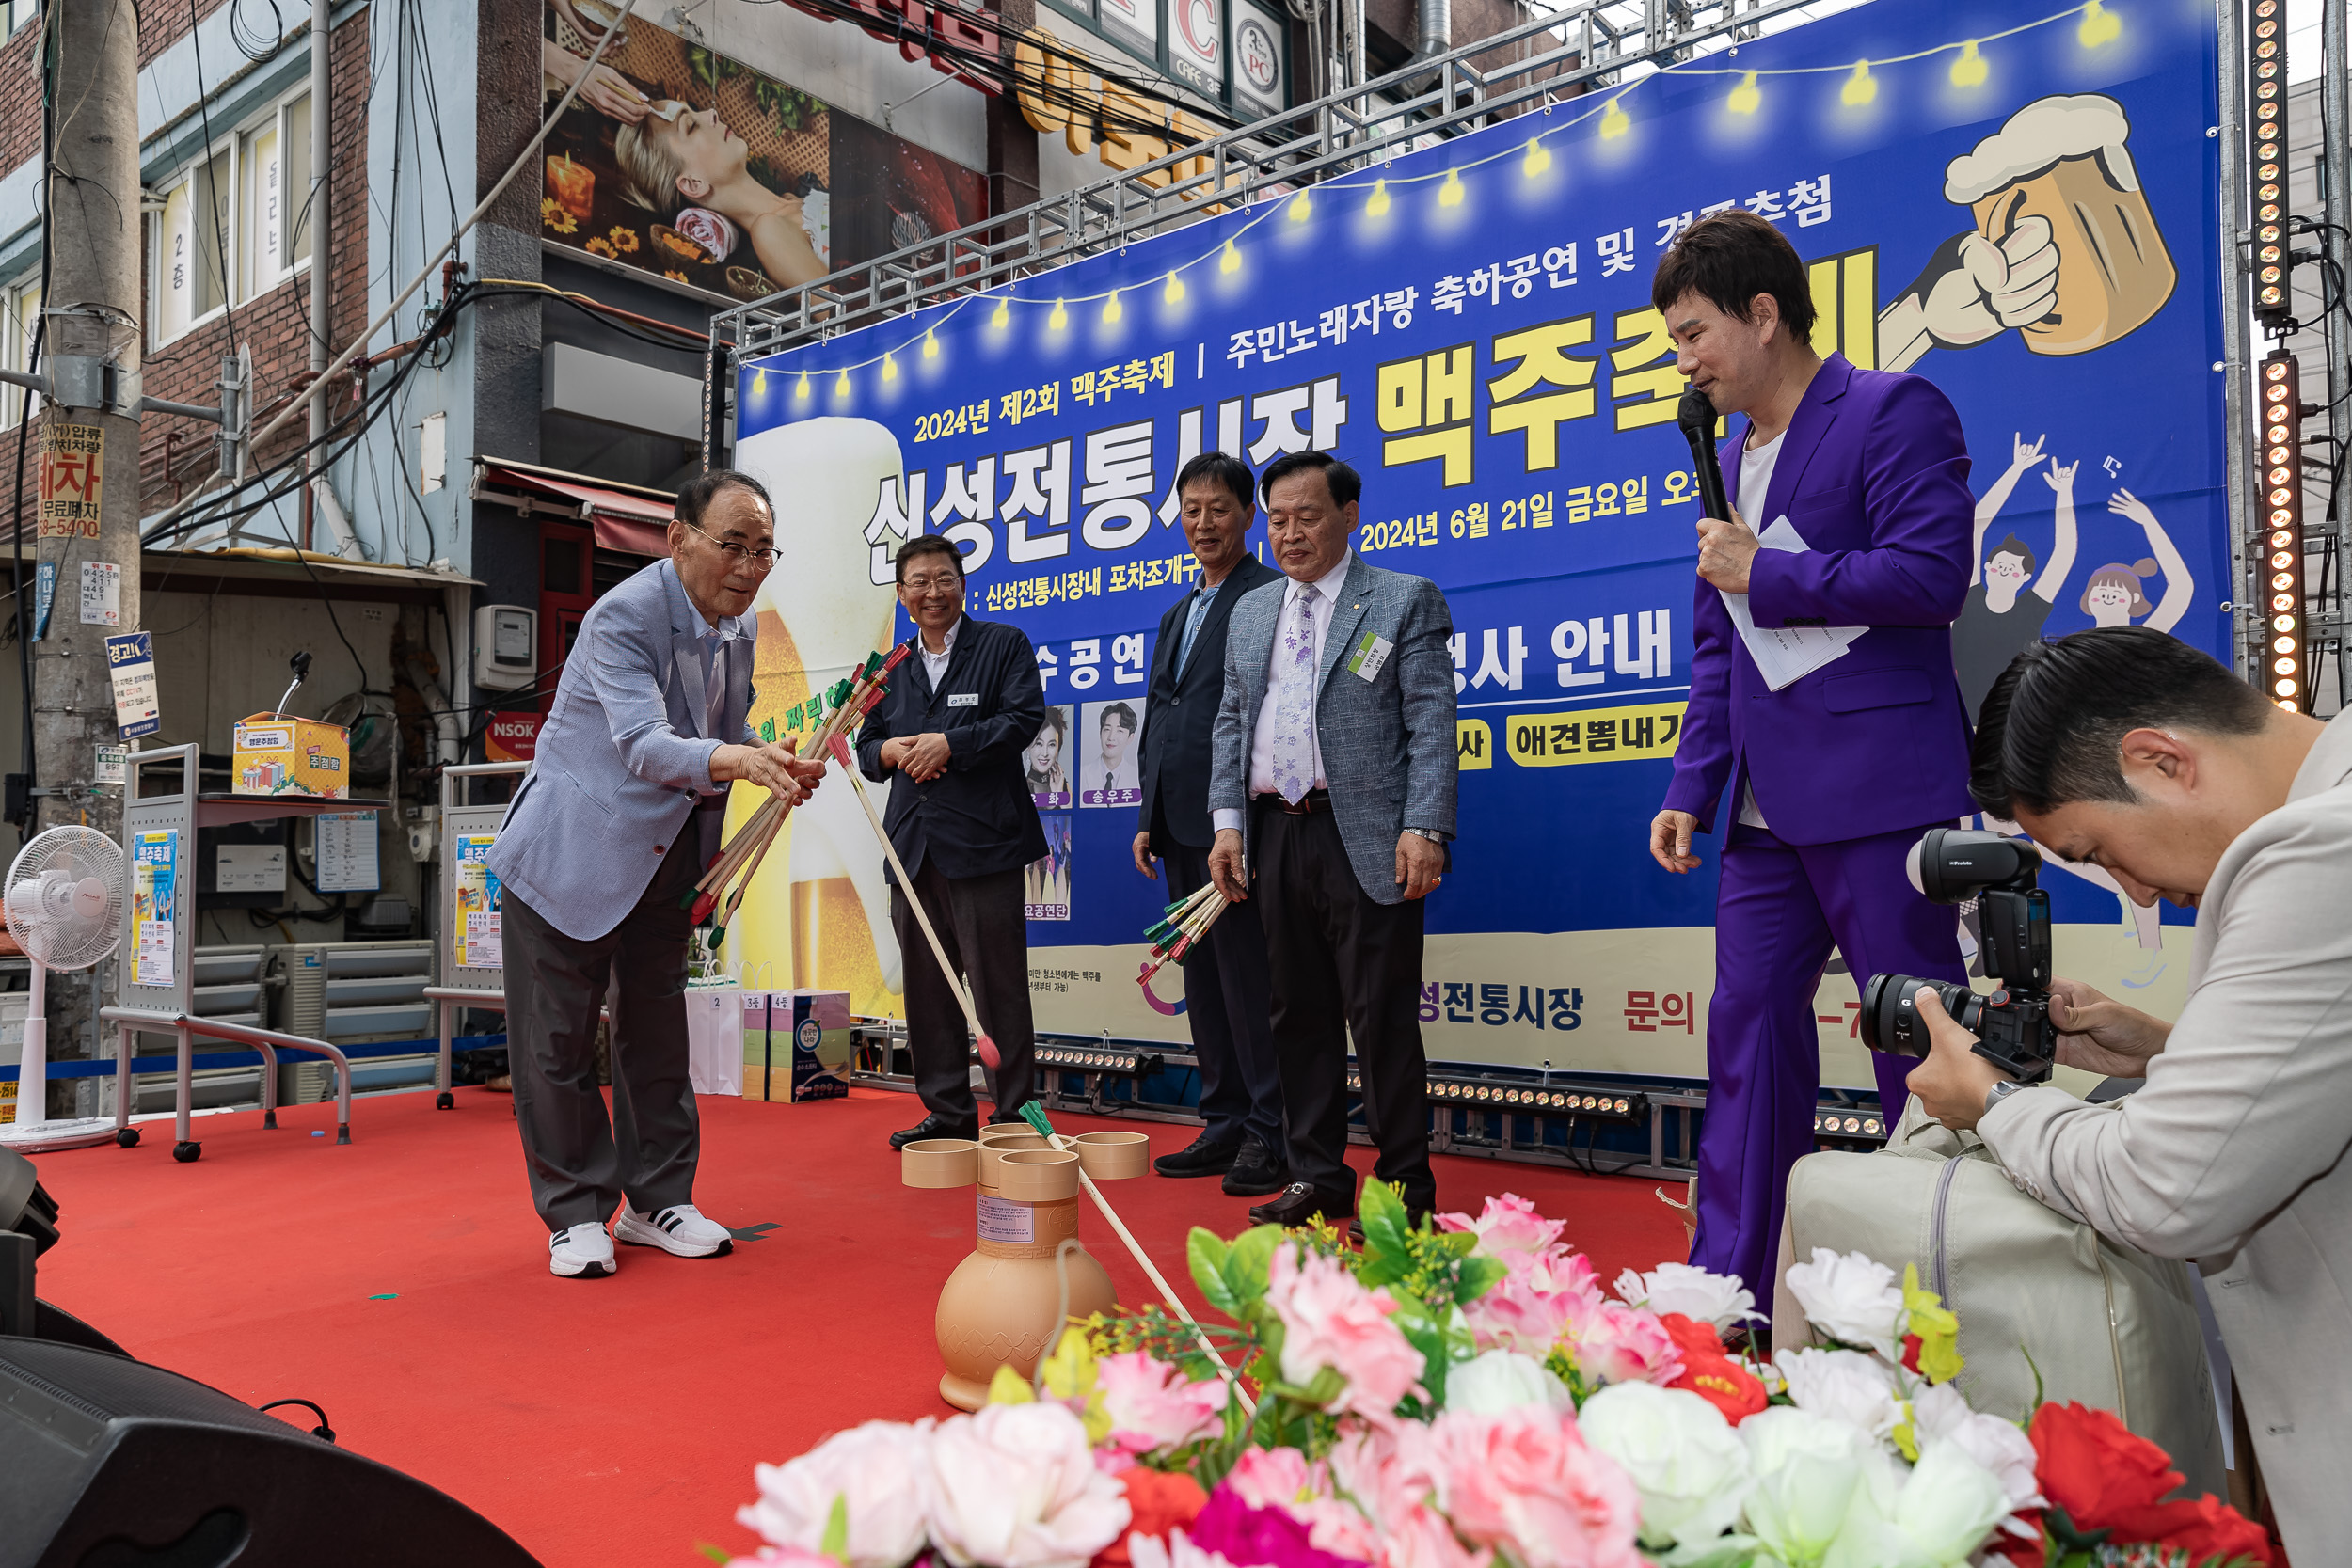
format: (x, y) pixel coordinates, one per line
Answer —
(2125, 748)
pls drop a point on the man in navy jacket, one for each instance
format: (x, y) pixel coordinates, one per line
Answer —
(954, 726)
(1229, 991)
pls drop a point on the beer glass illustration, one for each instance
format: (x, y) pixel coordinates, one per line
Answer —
(2063, 160)
(820, 614)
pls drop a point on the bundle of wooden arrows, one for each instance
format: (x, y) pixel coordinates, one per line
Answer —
(846, 706)
(1181, 928)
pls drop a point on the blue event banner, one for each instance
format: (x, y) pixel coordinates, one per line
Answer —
(2018, 206)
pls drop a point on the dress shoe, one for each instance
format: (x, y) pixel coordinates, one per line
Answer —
(1203, 1156)
(936, 1126)
(1257, 1171)
(1298, 1204)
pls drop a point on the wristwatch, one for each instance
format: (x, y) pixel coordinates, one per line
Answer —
(1427, 833)
(2001, 1092)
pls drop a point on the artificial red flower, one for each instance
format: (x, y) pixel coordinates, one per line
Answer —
(1912, 1344)
(1159, 1503)
(1710, 1374)
(2090, 1465)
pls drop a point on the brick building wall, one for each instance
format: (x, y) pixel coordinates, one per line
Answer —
(276, 324)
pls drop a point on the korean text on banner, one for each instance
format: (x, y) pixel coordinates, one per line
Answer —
(154, 907)
(478, 941)
(131, 666)
(72, 476)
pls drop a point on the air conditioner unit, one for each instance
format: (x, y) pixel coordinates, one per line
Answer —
(354, 992)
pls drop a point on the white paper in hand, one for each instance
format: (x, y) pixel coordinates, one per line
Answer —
(1786, 655)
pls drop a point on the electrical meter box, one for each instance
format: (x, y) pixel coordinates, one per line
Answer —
(506, 647)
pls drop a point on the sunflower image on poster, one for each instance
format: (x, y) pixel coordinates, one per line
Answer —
(678, 161)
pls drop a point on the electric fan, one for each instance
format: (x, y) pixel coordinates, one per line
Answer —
(68, 897)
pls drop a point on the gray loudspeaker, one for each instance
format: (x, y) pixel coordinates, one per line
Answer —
(109, 1463)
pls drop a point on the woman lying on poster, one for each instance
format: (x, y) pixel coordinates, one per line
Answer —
(678, 156)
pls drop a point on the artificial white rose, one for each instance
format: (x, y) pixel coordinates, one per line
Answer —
(1701, 1296)
(1931, 1516)
(1843, 1386)
(1806, 1467)
(2001, 1446)
(1500, 1380)
(1851, 1299)
(873, 1472)
(1016, 1486)
(1687, 1465)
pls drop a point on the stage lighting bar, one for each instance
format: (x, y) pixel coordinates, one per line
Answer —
(1833, 1122)
(1531, 1099)
(2283, 667)
(2267, 70)
(1104, 1061)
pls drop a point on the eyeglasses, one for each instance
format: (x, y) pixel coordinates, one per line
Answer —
(932, 584)
(764, 560)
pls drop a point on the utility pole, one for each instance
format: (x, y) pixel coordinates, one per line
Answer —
(88, 440)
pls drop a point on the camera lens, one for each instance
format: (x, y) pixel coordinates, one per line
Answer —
(1890, 1020)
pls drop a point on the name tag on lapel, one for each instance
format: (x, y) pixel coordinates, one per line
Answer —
(1370, 655)
(964, 699)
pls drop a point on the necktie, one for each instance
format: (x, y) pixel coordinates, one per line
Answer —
(714, 686)
(1199, 613)
(1295, 699)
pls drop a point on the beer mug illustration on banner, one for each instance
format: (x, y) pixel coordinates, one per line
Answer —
(2062, 161)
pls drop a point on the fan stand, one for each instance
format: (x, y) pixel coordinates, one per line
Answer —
(32, 1132)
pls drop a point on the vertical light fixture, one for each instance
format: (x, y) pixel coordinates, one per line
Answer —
(2285, 669)
(2268, 70)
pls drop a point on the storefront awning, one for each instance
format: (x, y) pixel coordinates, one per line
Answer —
(634, 522)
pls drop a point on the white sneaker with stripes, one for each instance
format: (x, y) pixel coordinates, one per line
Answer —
(680, 1231)
(583, 1252)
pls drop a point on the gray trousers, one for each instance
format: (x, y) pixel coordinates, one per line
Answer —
(981, 924)
(581, 1162)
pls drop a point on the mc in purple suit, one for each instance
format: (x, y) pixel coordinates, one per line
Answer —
(1849, 765)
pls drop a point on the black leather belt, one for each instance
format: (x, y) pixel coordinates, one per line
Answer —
(1312, 801)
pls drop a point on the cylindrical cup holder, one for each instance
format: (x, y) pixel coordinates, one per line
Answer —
(991, 1153)
(939, 1163)
(1037, 1175)
(1113, 1156)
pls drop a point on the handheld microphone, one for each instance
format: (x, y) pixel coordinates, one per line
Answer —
(1697, 417)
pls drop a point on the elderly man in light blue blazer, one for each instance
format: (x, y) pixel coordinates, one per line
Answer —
(1331, 790)
(609, 832)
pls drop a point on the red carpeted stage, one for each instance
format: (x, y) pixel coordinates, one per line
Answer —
(400, 1283)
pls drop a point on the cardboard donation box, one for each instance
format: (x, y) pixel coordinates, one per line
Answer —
(278, 755)
(794, 1041)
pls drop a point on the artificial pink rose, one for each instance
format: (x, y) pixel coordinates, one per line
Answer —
(1282, 1478)
(783, 1557)
(1525, 1483)
(1532, 1306)
(1421, 1538)
(1153, 1406)
(1015, 1486)
(1616, 1343)
(1328, 1320)
(867, 1467)
(1508, 1224)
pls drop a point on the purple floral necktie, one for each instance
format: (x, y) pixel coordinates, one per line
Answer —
(1294, 700)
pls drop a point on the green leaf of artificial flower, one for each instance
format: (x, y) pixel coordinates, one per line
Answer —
(1246, 1259)
(1205, 1252)
(836, 1543)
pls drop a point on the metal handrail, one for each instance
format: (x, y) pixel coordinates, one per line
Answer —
(185, 1024)
(1344, 128)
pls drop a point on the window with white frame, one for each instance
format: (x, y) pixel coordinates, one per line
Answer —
(233, 225)
(19, 314)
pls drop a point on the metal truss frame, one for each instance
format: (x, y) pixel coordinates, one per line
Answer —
(1586, 46)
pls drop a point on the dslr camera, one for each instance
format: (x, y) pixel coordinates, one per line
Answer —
(2012, 1025)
